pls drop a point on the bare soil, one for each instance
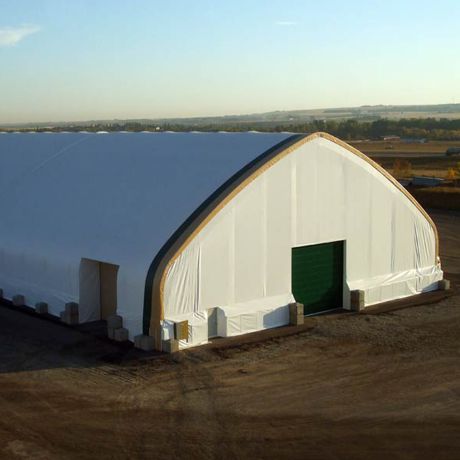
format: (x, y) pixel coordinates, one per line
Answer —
(427, 159)
(345, 386)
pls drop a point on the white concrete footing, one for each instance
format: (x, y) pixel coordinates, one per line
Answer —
(114, 321)
(115, 329)
(357, 300)
(70, 314)
(444, 285)
(68, 318)
(296, 314)
(18, 300)
(170, 346)
(121, 334)
(41, 308)
(144, 342)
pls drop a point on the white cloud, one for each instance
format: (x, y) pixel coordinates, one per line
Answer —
(10, 36)
(285, 23)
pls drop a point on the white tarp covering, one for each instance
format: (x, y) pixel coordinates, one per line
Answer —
(112, 198)
(264, 313)
(117, 198)
(319, 193)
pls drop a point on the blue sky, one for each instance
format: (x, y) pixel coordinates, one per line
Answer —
(82, 59)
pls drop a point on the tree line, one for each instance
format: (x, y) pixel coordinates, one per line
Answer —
(350, 129)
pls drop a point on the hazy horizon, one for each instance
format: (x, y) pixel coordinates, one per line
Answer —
(82, 60)
(236, 115)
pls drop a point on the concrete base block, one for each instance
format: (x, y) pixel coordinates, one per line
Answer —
(41, 308)
(111, 333)
(357, 300)
(297, 321)
(296, 316)
(144, 342)
(181, 330)
(444, 285)
(71, 308)
(114, 321)
(121, 334)
(138, 341)
(18, 300)
(170, 346)
(68, 318)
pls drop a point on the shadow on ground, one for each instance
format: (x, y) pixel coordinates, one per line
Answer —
(29, 342)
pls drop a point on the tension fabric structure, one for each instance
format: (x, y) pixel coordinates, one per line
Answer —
(194, 226)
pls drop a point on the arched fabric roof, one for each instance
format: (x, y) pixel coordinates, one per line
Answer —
(131, 199)
(114, 197)
(184, 235)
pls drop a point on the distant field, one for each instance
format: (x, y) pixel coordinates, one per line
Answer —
(426, 159)
(381, 147)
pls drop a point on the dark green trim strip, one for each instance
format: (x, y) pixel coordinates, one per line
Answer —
(224, 190)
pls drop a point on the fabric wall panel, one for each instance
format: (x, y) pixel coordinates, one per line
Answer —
(44, 280)
(357, 189)
(330, 194)
(403, 237)
(278, 227)
(90, 294)
(249, 247)
(216, 262)
(380, 227)
(182, 291)
(319, 193)
(130, 285)
(306, 195)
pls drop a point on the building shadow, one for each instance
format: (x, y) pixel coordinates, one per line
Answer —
(31, 342)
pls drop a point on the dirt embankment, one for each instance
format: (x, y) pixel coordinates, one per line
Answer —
(438, 197)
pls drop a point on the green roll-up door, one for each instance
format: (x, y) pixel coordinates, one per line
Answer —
(317, 276)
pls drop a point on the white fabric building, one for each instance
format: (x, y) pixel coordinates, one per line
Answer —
(223, 230)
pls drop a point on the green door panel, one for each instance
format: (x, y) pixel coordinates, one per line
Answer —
(317, 276)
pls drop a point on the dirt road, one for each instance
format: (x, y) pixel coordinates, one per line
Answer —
(350, 387)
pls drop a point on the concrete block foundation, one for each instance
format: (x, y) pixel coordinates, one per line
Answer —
(68, 318)
(144, 342)
(71, 308)
(357, 299)
(111, 333)
(444, 285)
(18, 300)
(296, 316)
(41, 308)
(170, 346)
(121, 334)
(114, 321)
